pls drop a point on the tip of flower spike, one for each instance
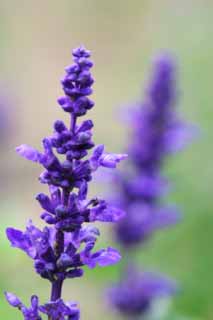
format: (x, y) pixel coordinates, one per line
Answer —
(164, 61)
(81, 52)
(161, 90)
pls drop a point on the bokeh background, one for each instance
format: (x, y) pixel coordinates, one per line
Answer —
(36, 38)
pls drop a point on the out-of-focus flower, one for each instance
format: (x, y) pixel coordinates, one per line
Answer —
(156, 132)
(135, 293)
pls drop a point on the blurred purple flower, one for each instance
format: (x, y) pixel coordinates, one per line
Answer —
(156, 132)
(134, 295)
(8, 117)
(142, 221)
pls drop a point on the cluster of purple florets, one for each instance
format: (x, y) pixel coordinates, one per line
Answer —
(62, 249)
(156, 132)
(54, 310)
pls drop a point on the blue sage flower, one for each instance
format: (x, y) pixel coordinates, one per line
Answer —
(156, 132)
(66, 245)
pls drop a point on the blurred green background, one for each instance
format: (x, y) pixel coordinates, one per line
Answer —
(36, 38)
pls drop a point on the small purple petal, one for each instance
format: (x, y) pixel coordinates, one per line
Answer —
(45, 202)
(29, 153)
(110, 214)
(34, 302)
(95, 158)
(103, 258)
(18, 239)
(111, 160)
(13, 299)
(108, 257)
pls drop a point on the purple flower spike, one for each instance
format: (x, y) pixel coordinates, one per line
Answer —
(66, 246)
(156, 132)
